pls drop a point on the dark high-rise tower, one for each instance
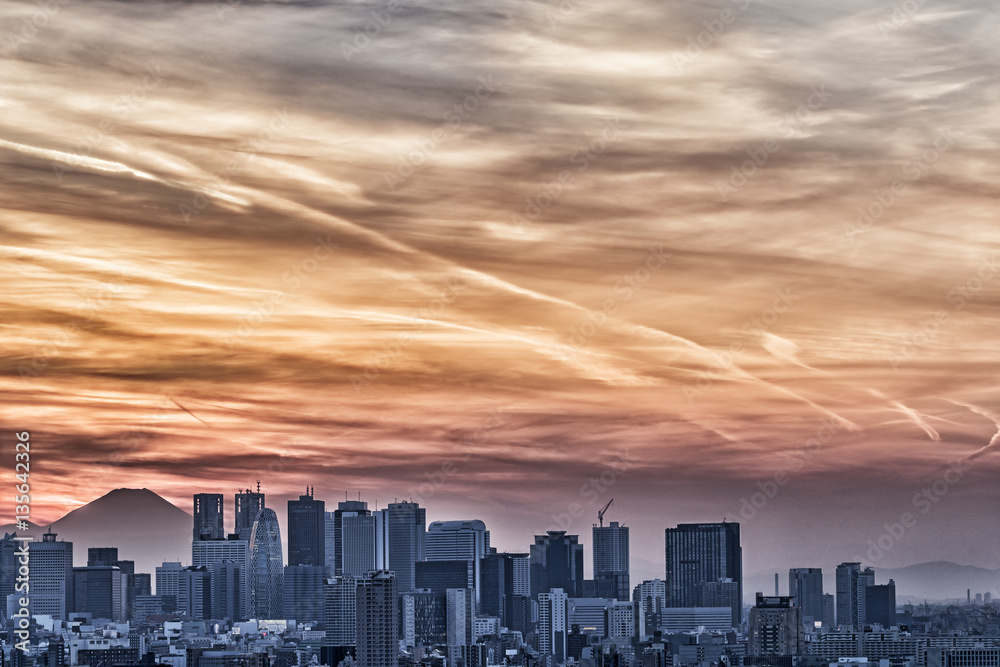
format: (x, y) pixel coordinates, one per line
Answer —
(703, 553)
(852, 581)
(377, 621)
(805, 587)
(405, 525)
(557, 562)
(208, 521)
(611, 561)
(351, 532)
(307, 531)
(248, 505)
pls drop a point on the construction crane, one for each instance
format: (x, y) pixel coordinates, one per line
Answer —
(600, 513)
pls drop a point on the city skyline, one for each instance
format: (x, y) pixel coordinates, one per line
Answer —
(739, 258)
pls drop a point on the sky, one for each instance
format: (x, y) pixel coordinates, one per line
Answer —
(729, 259)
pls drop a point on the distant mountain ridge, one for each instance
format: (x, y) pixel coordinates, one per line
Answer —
(144, 526)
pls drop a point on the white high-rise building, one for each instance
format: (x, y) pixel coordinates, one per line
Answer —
(553, 623)
(51, 571)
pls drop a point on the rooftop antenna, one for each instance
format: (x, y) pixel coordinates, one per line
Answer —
(600, 513)
(258, 486)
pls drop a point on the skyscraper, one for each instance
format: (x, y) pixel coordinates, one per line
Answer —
(805, 587)
(553, 623)
(208, 553)
(557, 562)
(208, 518)
(266, 567)
(351, 539)
(248, 505)
(456, 540)
(377, 620)
(775, 628)
(611, 561)
(852, 581)
(227, 591)
(100, 590)
(306, 531)
(698, 553)
(401, 539)
(649, 600)
(880, 604)
(51, 576)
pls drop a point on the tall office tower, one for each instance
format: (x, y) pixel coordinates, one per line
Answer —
(459, 614)
(307, 531)
(208, 518)
(699, 553)
(208, 553)
(611, 561)
(351, 539)
(649, 599)
(194, 592)
(248, 505)
(805, 587)
(404, 533)
(51, 566)
(100, 590)
(557, 562)
(340, 600)
(553, 624)
(266, 567)
(303, 591)
(829, 610)
(775, 628)
(168, 578)
(496, 597)
(866, 578)
(880, 604)
(102, 556)
(227, 591)
(851, 584)
(456, 540)
(721, 593)
(377, 620)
